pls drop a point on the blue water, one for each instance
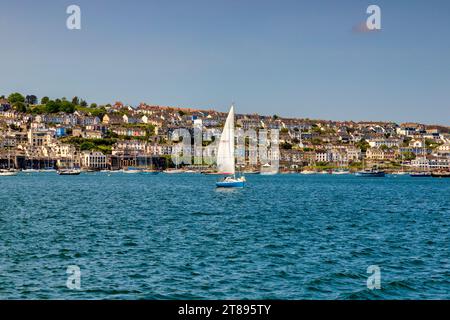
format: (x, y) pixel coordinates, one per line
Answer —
(178, 237)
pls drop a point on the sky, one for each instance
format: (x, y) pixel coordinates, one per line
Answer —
(306, 59)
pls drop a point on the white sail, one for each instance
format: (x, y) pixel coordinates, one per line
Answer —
(225, 152)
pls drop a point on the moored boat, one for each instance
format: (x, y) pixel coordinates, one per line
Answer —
(151, 172)
(173, 171)
(441, 174)
(370, 173)
(8, 173)
(69, 172)
(422, 174)
(340, 171)
(267, 170)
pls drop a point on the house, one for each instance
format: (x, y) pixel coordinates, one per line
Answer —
(37, 138)
(111, 119)
(130, 132)
(4, 105)
(390, 143)
(380, 155)
(130, 119)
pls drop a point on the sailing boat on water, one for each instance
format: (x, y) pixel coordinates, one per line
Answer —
(10, 171)
(225, 156)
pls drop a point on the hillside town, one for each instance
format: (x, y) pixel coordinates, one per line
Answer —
(44, 134)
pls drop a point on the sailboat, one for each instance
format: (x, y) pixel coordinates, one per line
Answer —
(72, 171)
(10, 171)
(151, 170)
(370, 173)
(422, 174)
(225, 156)
(402, 172)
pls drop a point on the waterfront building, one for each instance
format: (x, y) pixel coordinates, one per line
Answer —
(93, 160)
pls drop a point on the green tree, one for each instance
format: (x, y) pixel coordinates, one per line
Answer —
(45, 100)
(76, 100)
(19, 106)
(408, 155)
(31, 99)
(52, 106)
(67, 107)
(83, 103)
(87, 145)
(15, 97)
(98, 112)
(363, 145)
(93, 105)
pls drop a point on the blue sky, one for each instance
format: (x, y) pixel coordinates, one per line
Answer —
(292, 58)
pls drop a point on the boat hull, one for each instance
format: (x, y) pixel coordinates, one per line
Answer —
(370, 174)
(420, 175)
(440, 175)
(8, 174)
(230, 184)
(69, 173)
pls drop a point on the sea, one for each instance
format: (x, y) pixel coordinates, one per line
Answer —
(288, 236)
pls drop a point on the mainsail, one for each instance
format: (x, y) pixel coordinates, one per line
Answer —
(225, 152)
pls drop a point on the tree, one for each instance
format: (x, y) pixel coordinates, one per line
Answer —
(31, 99)
(67, 107)
(52, 106)
(75, 101)
(15, 97)
(408, 155)
(363, 145)
(83, 103)
(275, 117)
(98, 112)
(93, 105)
(45, 100)
(87, 145)
(19, 106)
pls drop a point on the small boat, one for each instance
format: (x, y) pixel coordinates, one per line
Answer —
(225, 156)
(151, 172)
(69, 172)
(399, 173)
(28, 171)
(212, 173)
(267, 170)
(191, 171)
(308, 172)
(132, 170)
(422, 174)
(251, 172)
(369, 173)
(442, 174)
(173, 171)
(8, 173)
(340, 171)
